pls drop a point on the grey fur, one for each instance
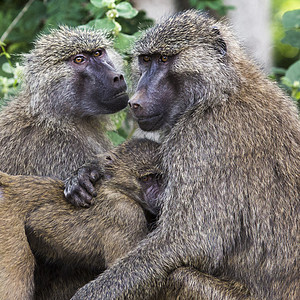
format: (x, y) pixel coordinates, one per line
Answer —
(39, 133)
(231, 153)
(45, 130)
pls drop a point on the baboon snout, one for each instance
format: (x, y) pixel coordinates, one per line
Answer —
(117, 80)
(135, 102)
(134, 106)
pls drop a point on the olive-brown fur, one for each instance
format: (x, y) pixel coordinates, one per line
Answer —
(51, 128)
(36, 223)
(231, 155)
(40, 133)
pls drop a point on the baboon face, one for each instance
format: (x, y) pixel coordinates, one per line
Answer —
(156, 91)
(133, 169)
(181, 62)
(70, 73)
(99, 87)
(152, 186)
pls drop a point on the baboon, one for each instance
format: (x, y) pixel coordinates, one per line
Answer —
(57, 122)
(92, 239)
(231, 155)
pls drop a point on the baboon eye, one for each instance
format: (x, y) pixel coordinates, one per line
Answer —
(164, 58)
(148, 178)
(98, 53)
(145, 178)
(146, 58)
(79, 59)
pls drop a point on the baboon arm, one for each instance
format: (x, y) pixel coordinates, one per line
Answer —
(146, 266)
(142, 273)
(189, 283)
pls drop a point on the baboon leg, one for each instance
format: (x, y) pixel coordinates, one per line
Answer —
(16, 261)
(189, 283)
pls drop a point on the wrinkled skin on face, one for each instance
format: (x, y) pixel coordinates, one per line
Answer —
(151, 185)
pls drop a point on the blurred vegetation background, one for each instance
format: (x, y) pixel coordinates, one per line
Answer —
(21, 21)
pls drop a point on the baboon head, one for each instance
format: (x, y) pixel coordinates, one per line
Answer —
(182, 62)
(70, 72)
(133, 169)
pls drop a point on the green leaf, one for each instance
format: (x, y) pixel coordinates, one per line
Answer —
(123, 42)
(213, 5)
(279, 71)
(11, 81)
(102, 24)
(296, 95)
(293, 72)
(7, 68)
(115, 138)
(102, 3)
(126, 10)
(291, 19)
(292, 37)
(286, 81)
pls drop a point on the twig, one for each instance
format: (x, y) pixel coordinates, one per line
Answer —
(15, 21)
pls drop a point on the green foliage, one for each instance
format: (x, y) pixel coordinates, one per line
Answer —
(291, 24)
(291, 19)
(117, 17)
(117, 120)
(69, 12)
(283, 54)
(9, 84)
(291, 77)
(123, 127)
(215, 5)
(292, 81)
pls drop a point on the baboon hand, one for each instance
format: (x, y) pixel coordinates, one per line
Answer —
(79, 188)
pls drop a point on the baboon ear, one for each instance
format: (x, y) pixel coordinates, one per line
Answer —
(220, 44)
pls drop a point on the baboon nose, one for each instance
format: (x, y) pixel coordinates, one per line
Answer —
(118, 81)
(134, 106)
(137, 102)
(118, 78)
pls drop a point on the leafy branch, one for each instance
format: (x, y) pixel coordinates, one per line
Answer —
(291, 76)
(107, 13)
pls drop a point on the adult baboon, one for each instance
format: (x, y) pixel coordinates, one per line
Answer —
(231, 155)
(57, 121)
(92, 239)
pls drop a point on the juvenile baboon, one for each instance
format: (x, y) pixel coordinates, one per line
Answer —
(231, 155)
(34, 208)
